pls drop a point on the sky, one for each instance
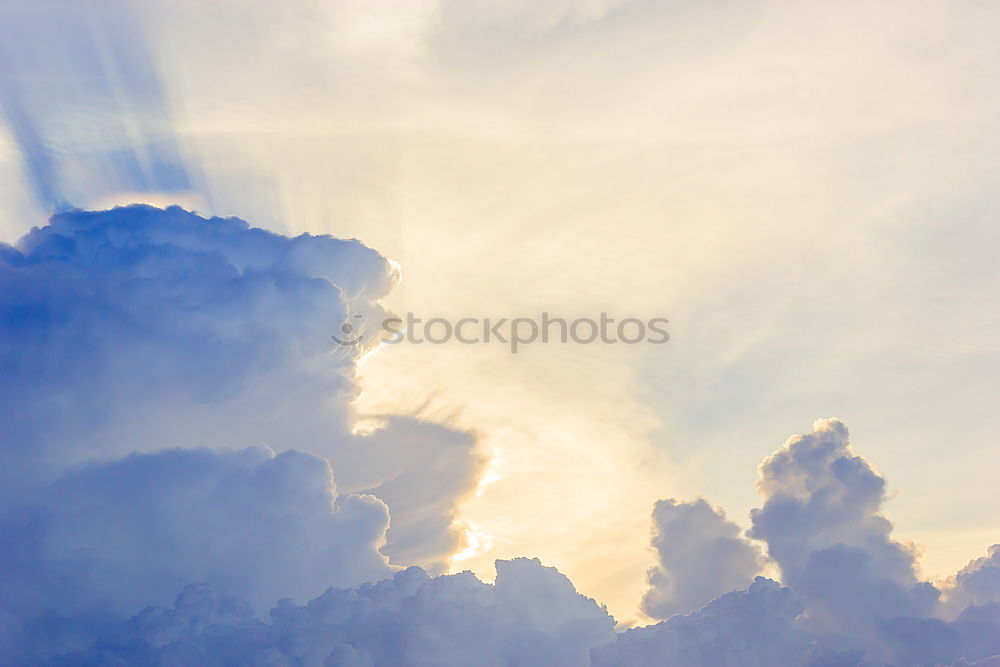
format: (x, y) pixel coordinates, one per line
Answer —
(802, 189)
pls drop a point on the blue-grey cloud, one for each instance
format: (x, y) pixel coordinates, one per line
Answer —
(114, 537)
(175, 413)
(974, 635)
(822, 525)
(532, 616)
(140, 329)
(757, 626)
(700, 555)
(130, 333)
(853, 598)
(976, 583)
(992, 661)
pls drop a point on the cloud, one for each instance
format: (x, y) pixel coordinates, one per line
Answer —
(115, 537)
(700, 556)
(977, 583)
(968, 624)
(531, 616)
(132, 332)
(752, 627)
(145, 329)
(425, 468)
(822, 524)
(176, 412)
(863, 603)
(973, 635)
(140, 329)
(993, 661)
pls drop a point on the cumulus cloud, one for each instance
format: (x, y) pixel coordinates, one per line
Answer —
(132, 532)
(114, 537)
(531, 616)
(753, 627)
(973, 635)
(143, 328)
(993, 661)
(977, 583)
(968, 624)
(140, 329)
(422, 470)
(700, 556)
(822, 524)
(175, 412)
(131, 332)
(852, 596)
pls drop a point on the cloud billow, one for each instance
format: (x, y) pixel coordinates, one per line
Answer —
(700, 554)
(532, 616)
(822, 525)
(176, 420)
(143, 351)
(756, 626)
(976, 583)
(852, 596)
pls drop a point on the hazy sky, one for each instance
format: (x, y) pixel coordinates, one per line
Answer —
(803, 189)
